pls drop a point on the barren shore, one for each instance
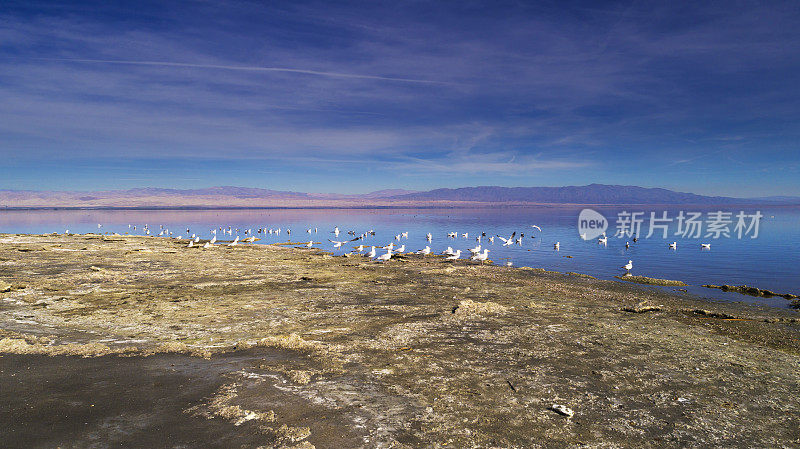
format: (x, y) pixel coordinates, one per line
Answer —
(109, 341)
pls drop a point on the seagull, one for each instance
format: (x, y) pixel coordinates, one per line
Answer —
(508, 241)
(452, 234)
(191, 244)
(519, 240)
(371, 253)
(429, 237)
(627, 245)
(385, 257)
(705, 246)
(449, 251)
(425, 251)
(207, 245)
(465, 235)
(602, 240)
(509, 263)
(213, 240)
(310, 244)
(455, 255)
(197, 239)
(537, 227)
(360, 248)
(250, 239)
(405, 234)
(389, 246)
(481, 256)
(628, 267)
(401, 249)
(336, 244)
(673, 245)
(475, 250)
(583, 236)
(491, 240)
(336, 231)
(557, 246)
(235, 242)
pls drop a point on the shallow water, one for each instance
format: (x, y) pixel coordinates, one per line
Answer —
(770, 261)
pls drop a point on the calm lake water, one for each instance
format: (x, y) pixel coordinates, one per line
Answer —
(770, 261)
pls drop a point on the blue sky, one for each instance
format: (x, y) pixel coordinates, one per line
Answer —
(354, 97)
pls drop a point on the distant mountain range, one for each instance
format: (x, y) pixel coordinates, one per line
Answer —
(230, 196)
(591, 194)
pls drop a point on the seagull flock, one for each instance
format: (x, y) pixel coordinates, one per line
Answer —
(478, 253)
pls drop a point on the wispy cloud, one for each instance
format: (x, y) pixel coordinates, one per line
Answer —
(502, 163)
(248, 69)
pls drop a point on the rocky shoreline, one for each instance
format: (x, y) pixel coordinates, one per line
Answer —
(301, 349)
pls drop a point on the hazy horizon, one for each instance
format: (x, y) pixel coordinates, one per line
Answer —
(398, 191)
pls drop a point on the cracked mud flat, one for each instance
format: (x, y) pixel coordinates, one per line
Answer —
(139, 341)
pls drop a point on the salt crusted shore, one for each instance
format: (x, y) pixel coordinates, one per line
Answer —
(140, 341)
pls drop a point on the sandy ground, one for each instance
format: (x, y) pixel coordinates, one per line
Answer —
(112, 341)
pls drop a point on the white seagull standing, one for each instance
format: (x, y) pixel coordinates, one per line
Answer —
(235, 242)
(401, 249)
(310, 244)
(425, 251)
(481, 256)
(371, 254)
(628, 267)
(455, 255)
(385, 257)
